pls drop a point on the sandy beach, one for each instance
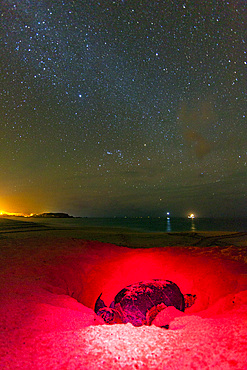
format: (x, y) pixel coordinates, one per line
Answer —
(51, 278)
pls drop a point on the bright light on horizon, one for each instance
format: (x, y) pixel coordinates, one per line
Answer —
(191, 215)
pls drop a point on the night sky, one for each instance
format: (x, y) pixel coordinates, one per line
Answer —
(123, 108)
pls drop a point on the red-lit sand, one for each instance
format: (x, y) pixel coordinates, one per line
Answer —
(43, 327)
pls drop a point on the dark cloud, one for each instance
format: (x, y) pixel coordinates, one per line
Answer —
(196, 124)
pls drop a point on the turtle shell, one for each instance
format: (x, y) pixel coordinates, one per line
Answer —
(134, 302)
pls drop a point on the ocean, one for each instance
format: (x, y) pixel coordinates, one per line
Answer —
(145, 224)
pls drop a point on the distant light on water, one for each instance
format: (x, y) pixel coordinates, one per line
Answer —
(191, 215)
(168, 222)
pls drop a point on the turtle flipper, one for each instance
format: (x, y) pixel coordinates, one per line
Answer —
(189, 300)
(99, 304)
(153, 312)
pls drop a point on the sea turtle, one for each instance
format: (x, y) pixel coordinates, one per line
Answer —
(139, 303)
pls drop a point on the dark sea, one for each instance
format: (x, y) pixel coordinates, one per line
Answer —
(146, 224)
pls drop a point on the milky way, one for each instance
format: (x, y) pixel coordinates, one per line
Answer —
(123, 108)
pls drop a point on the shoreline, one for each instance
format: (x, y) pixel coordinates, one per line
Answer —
(17, 229)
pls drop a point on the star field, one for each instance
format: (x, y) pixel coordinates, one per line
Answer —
(123, 108)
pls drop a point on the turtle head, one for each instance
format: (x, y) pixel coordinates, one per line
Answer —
(189, 300)
(109, 315)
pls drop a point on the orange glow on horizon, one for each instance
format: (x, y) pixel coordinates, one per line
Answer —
(5, 213)
(17, 214)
